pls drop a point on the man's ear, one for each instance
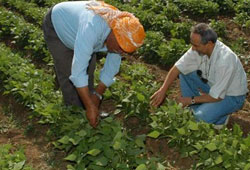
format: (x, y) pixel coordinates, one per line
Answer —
(210, 44)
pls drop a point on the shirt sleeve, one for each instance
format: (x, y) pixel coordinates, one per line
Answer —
(86, 38)
(110, 69)
(223, 79)
(188, 62)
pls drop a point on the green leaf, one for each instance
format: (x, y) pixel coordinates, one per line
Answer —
(70, 167)
(75, 140)
(154, 134)
(218, 160)
(247, 167)
(243, 147)
(192, 125)
(140, 97)
(93, 152)
(211, 147)
(82, 133)
(117, 145)
(64, 140)
(108, 152)
(108, 119)
(247, 141)
(160, 167)
(237, 130)
(198, 146)
(229, 152)
(103, 161)
(140, 141)
(181, 131)
(141, 167)
(19, 165)
(71, 157)
(118, 136)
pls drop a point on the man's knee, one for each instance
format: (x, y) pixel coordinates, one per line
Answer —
(201, 115)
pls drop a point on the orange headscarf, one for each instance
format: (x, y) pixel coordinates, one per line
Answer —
(127, 28)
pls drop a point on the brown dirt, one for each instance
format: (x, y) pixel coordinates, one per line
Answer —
(17, 129)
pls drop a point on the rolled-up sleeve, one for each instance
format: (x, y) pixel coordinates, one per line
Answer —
(188, 62)
(110, 69)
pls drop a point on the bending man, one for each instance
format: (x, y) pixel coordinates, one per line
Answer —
(74, 31)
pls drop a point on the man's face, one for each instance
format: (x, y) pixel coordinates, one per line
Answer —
(195, 40)
(113, 45)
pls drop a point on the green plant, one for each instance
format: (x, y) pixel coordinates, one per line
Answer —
(226, 6)
(243, 19)
(182, 30)
(171, 51)
(219, 27)
(198, 7)
(11, 158)
(150, 47)
(239, 46)
(212, 149)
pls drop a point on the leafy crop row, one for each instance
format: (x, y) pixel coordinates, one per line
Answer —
(162, 23)
(107, 147)
(31, 11)
(12, 159)
(22, 34)
(210, 149)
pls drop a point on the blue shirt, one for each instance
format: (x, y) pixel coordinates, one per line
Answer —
(85, 32)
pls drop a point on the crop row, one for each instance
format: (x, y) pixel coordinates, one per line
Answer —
(23, 35)
(170, 121)
(31, 11)
(106, 147)
(209, 148)
(166, 39)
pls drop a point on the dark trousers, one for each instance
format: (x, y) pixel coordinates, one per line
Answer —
(62, 57)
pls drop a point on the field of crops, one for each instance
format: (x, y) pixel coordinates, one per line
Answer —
(135, 136)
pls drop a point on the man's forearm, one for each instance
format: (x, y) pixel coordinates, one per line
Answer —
(172, 75)
(206, 98)
(84, 94)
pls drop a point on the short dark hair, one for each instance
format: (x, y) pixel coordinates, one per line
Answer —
(207, 34)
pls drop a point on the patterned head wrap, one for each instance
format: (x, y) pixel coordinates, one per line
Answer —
(127, 29)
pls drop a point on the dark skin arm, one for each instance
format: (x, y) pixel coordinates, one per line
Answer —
(91, 108)
(91, 102)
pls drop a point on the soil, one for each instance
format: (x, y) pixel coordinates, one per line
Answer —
(18, 130)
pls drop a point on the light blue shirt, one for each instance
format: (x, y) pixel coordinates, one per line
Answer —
(85, 32)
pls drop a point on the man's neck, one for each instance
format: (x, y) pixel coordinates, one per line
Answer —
(210, 50)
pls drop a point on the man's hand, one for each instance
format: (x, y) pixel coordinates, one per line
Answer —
(158, 97)
(91, 107)
(91, 103)
(93, 116)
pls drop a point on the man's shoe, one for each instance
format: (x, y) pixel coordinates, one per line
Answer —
(218, 127)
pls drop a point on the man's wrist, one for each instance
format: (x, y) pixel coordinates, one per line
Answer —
(192, 100)
(97, 94)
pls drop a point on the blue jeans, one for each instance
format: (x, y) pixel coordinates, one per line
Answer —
(215, 112)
